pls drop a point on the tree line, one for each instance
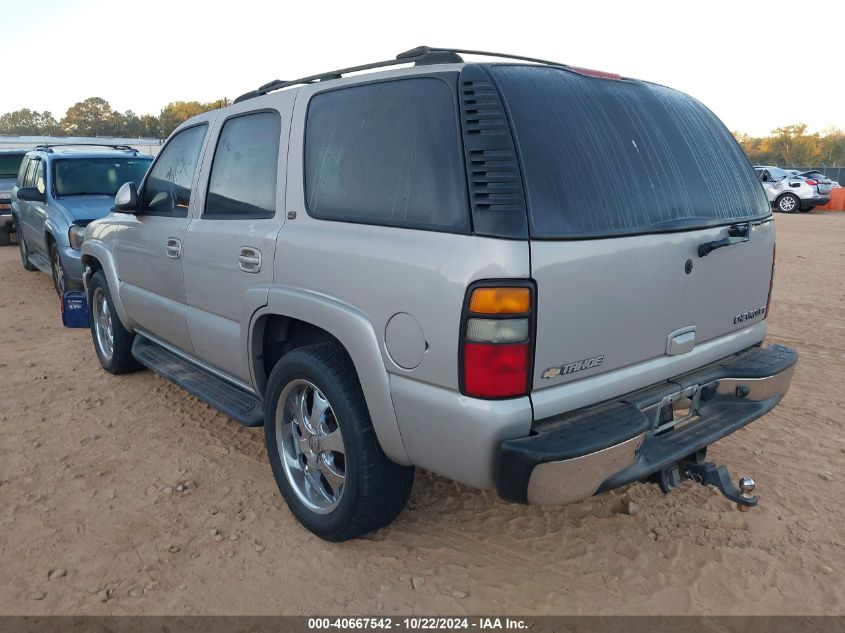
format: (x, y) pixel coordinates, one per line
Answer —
(95, 117)
(793, 145)
(787, 146)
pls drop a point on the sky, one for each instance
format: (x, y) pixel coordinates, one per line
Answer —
(757, 65)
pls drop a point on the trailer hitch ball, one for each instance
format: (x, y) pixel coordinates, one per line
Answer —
(709, 474)
(746, 486)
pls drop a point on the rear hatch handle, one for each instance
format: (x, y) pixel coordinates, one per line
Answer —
(737, 234)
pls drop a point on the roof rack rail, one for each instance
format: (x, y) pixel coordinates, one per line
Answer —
(420, 56)
(48, 147)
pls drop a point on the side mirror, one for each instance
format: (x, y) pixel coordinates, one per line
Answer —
(31, 194)
(126, 199)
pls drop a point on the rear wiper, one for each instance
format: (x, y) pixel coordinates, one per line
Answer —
(738, 234)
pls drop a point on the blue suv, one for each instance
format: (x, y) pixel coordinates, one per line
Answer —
(59, 190)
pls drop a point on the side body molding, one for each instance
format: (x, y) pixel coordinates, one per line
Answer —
(354, 331)
(99, 251)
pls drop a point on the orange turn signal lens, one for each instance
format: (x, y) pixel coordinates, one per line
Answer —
(500, 300)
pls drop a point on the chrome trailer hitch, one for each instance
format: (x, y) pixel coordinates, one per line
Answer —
(709, 474)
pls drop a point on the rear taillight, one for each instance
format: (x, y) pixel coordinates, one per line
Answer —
(497, 339)
(811, 182)
(771, 280)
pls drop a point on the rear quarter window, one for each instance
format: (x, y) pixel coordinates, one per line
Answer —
(619, 157)
(387, 153)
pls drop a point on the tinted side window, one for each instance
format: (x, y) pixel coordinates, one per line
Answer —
(29, 178)
(243, 174)
(22, 172)
(168, 185)
(387, 153)
(39, 182)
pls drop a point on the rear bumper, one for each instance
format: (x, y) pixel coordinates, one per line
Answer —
(815, 202)
(6, 220)
(584, 452)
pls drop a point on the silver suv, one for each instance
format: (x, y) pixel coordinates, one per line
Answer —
(790, 192)
(541, 279)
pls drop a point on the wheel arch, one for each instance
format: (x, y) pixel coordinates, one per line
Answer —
(780, 196)
(293, 317)
(95, 256)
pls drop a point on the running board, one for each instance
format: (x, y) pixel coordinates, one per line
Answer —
(41, 262)
(233, 401)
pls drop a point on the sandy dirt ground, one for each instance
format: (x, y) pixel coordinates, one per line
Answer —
(125, 495)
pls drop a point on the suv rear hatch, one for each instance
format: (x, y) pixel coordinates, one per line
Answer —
(624, 181)
(824, 187)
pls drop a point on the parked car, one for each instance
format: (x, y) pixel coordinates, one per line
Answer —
(789, 193)
(10, 162)
(59, 190)
(361, 265)
(819, 177)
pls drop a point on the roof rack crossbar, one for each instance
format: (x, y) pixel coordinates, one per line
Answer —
(334, 74)
(419, 55)
(48, 147)
(425, 50)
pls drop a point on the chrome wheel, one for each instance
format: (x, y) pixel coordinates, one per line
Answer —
(103, 324)
(787, 204)
(310, 446)
(58, 273)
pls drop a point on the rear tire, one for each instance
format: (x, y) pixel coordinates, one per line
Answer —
(807, 209)
(314, 401)
(5, 238)
(28, 265)
(788, 203)
(112, 341)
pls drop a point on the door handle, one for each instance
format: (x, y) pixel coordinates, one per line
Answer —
(249, 259)
(173, 248)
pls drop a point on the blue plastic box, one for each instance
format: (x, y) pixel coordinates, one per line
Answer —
(74, 309)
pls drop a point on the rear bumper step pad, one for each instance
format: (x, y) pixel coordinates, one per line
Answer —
(580, 453)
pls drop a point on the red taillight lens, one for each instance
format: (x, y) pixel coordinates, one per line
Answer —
(497, 339)
(589, 72)
(811, 182)
(495, 371)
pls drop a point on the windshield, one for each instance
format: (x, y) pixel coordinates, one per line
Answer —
(96, 176)
(9, 165)
(606, 158)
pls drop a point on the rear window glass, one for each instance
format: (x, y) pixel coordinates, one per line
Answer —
(605, 158)
(387, 153)
(10, 164)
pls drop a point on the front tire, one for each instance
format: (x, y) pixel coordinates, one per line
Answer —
(60, 279)
(112, 341)
(323, 449)
(788, 203)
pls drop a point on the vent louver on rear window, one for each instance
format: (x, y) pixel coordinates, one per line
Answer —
(493, 176)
